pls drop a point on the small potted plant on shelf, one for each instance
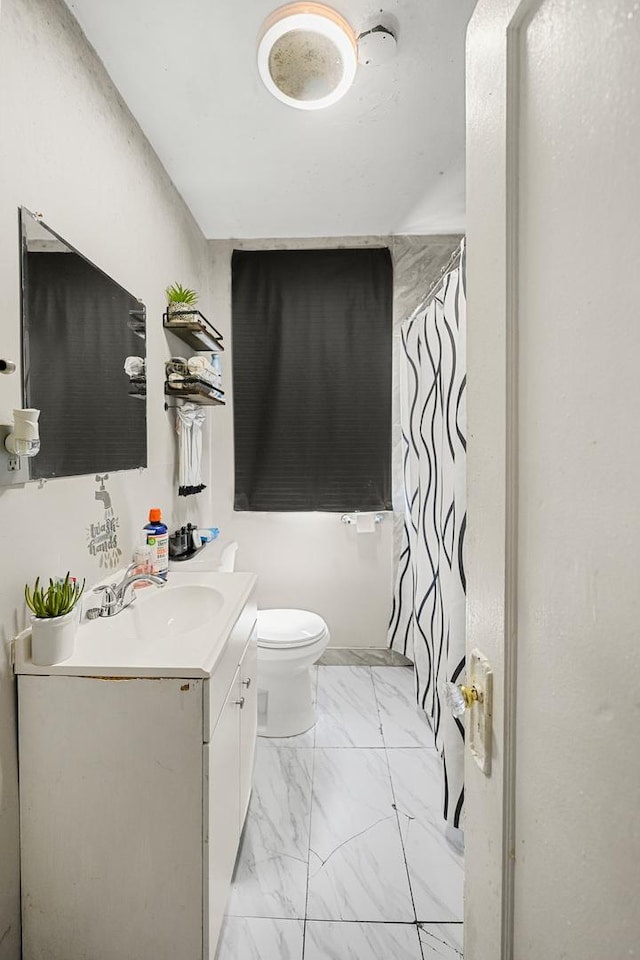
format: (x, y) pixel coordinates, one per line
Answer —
(180, 300)
(55, 619)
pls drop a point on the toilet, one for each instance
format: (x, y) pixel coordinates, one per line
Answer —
(289, 643)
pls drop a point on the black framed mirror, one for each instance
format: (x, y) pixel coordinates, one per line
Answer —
(78, 328)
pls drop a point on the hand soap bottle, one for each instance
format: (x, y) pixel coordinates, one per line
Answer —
(158, 537)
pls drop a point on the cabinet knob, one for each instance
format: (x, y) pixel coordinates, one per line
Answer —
(240, 702)
(247, 683)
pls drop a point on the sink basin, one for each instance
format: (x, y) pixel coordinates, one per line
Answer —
(175, 610)
(179, 630)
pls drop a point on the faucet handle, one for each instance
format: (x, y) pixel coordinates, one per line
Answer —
(107, 604)
(108, 588)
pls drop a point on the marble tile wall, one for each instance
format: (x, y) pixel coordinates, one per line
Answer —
(345, 855)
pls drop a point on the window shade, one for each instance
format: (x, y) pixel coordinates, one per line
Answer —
(312, 337)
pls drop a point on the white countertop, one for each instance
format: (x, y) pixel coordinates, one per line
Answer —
(120, 646)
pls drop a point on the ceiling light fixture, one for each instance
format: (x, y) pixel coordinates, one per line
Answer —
(307, 55)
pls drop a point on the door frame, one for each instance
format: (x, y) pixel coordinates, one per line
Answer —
(493, 65)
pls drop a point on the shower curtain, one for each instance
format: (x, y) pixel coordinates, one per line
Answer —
(428, 616)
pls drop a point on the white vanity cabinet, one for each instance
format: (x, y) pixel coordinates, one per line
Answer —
(228, 759)
(133, 793)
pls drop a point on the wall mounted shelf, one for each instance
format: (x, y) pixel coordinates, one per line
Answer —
(193, 390)
(194, 329)
(138, 387)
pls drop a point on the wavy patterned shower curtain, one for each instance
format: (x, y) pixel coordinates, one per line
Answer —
(428, 617)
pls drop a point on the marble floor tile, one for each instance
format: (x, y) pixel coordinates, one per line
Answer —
(338, 800)
(441, 941)
(271, 871)
(347, 709)
(436, 865)
(404, 724)
(327, 940)
(417, 780)
(356, 866)
(304, 740)
(254, 938)
(436, 872)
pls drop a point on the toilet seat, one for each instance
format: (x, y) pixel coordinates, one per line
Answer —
(286, 629)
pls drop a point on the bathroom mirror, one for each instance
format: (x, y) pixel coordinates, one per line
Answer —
(78, 328)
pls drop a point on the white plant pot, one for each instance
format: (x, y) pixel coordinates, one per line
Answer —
(53, 639)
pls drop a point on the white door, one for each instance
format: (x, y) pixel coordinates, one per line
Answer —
(553, 562)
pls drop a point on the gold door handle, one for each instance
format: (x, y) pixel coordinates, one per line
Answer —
(459, 698)
(475, 699)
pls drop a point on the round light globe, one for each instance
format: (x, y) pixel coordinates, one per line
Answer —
(307, 55)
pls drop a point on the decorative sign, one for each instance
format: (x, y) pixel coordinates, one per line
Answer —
(102, 537)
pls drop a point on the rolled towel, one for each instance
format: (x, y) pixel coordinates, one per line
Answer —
(177, 365)
(201, 368)
(209, 372)
(134, 366)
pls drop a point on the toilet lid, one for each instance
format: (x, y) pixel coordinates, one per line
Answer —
(289, 628)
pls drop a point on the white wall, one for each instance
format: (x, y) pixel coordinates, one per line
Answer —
(312, 560)
(71, 150)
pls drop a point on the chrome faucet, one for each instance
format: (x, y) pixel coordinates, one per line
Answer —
(115, 594)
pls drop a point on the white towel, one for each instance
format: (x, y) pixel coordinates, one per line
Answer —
(134, 366)
(189, 420)
(201, 368)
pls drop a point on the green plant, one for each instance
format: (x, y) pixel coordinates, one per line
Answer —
(176, 293)
(55, 600)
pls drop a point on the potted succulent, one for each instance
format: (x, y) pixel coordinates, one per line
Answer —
(180, 299)
(55, 619)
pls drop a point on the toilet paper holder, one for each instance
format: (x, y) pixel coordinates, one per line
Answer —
(353, 517)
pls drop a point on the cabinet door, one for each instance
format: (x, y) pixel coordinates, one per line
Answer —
(248, 722)
(111, 818)
(222, 814)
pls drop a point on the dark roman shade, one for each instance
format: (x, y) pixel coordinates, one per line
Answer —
(312, 336)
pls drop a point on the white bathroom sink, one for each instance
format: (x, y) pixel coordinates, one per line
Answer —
(173, 610)
(178, 630)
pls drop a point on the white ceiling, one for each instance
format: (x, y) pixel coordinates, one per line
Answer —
(389, 158)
